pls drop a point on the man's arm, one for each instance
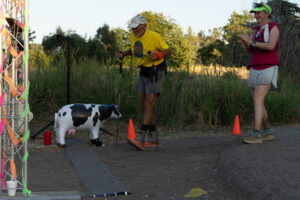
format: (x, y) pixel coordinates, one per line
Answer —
(166, 53)
(160, 54)
(121, 54)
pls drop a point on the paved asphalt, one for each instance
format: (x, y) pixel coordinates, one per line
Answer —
(269, 171)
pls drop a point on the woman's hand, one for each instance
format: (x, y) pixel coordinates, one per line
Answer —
(242, 42)
(246, 39)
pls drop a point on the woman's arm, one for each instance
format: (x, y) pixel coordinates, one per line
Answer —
(274, 35)
(247, 46)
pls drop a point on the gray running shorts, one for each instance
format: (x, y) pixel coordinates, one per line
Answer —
(145, 86)
(263, 77)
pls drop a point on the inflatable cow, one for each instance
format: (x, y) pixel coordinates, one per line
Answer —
(83, 117)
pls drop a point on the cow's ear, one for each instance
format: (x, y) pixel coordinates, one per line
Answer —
(116, 107)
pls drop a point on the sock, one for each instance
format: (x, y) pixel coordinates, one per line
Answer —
(144, 127)
(152, 128)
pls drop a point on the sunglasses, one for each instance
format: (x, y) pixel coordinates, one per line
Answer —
(258, 5)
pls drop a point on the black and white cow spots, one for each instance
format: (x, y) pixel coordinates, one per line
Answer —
(82, 117)
(80, 114)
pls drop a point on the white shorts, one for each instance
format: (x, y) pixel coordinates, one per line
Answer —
(263, 77)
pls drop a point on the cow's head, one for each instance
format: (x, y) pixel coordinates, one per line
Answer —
(115, 112)
(109, 111)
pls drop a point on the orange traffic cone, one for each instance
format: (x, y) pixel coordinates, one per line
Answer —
(131, 132)
(236, 128)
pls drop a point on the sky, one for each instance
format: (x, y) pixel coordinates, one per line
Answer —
(86, 16)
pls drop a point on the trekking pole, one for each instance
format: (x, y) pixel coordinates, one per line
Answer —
(153, 79)
(119, 98)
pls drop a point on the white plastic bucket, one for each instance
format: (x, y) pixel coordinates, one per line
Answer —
(11, 188)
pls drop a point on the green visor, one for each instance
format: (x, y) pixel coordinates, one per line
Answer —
(260, 7)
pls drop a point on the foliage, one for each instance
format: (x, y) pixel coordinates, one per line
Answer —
(38, 58)
(186, 99)
(212, 53)
(213, 35)
(192, 44)
(211, 48)
(102, 47)
(288, 16)
(31, 35)
(218, 46)
(238, 24)
(175, 39)
(107, 39)
(50, 42)
(171, 33)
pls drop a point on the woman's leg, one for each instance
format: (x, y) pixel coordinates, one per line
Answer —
(260, 113)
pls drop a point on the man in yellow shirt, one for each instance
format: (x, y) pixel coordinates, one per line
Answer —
(149, 50)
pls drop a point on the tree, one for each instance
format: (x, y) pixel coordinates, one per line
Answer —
(238, 24)
(107, 39)
(55, 44)
(31, 35)
(122, 38)
(38, 58)
(213, 53)
(175, 39)
(288, 17)
(171, 33)
(192, 43)
(80, 48)
(213, 35)
(211, 48)
(50, 43)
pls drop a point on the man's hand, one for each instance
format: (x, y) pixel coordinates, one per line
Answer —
(156, 55)
(153, 56)
(120, 54)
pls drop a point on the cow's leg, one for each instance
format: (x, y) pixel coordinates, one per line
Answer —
(60, 136)
(94, 133)
(94, 136)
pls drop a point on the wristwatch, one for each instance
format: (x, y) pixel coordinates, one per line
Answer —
(253, 43)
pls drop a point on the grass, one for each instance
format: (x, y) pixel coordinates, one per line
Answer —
(217, 70)
(207, 96)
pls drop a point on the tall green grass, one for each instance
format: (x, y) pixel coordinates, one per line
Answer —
(187, 98)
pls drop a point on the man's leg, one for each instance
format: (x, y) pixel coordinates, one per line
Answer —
(148, 116)
(142, 102)
(149, 119)
(147, 102)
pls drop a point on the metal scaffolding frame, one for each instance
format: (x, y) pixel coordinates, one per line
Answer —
(14, 89)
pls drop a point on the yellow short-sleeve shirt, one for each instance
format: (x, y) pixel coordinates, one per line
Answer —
(140, 47)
